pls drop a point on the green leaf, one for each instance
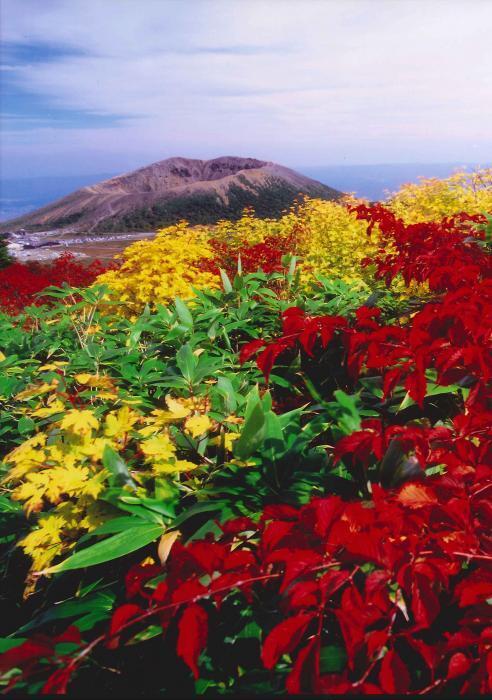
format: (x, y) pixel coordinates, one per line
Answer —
(110, 527)
(252, 434)
(226, 282)
(187, 362)
(183, 313)
(26, 425)
(114, 463)
(195, 510)
(112, 548)
(7, 643)
(100, 603)
(292, 266)
(274, 444)
(350, 419)
(148, 633)
(225, 389)
(8, 506)
(332, 659)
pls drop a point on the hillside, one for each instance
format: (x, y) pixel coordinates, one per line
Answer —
(177, 188)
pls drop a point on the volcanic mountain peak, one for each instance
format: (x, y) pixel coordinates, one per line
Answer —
(175, 172)
(201, 191)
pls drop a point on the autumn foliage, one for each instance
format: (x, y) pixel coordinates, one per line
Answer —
(22, 284)
(333, 453)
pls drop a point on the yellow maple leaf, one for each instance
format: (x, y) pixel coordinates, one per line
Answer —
(31, 492)
(54, 406)
(52, 366)
(79, 422)
(120, 422)
(163, 466)
(93, 447)
(44, 543)
(235, 420)
(158, 446)
(36, 390)
(197, 425)
(229, 439)
(177, 407)
(184, 465)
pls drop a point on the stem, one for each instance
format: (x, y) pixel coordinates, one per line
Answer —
(72, 665)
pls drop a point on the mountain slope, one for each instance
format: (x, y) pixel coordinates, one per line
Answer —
(173, 189)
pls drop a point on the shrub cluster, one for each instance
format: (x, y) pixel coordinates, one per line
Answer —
(280, 485)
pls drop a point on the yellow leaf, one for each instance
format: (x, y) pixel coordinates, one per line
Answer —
(52, 366)
(229, 439)
(159, 446)
(83, 378)
(183, 465)
(177, 408)
(36, 390)
(235, 420)
(165, 544)
(197, 425)
(53, 407)
(119, 422)
(416, 496)
(79, 422)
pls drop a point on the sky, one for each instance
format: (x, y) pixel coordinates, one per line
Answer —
(92, 86)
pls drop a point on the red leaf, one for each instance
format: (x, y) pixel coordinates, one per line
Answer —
(327, 511)
(459, 664)
(120, 616)
(284, 638)
(137, 576)
(393, 675)
(304, 594)
(57, 682)
(297, 562)
(192, 637)
(489, 670)
(475, 593)
(293, 320)
(71, 634)
(25, 654)
(425, 603)
(416, 496)
(267, 357)
(249, 350)
(391, 379)
(305, 672)
(416, 385)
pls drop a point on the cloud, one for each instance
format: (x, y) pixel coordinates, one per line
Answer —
(312, 82)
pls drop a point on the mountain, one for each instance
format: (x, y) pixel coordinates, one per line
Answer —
(200, 191)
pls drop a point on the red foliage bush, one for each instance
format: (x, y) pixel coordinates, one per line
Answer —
(21, 283)
(266, 256)
(444, 253)
(397, 582)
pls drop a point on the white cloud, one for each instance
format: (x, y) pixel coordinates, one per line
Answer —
(311, 82)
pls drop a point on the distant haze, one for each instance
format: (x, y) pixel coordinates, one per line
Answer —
(104, 86)
(21, 195)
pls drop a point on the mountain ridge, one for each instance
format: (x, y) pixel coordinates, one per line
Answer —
(166, 191)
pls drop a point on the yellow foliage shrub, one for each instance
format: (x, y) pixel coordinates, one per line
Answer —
(153, 272)
(432, 199)
(326, 236)
(59, 473)
(250, 230)
(332, 242)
